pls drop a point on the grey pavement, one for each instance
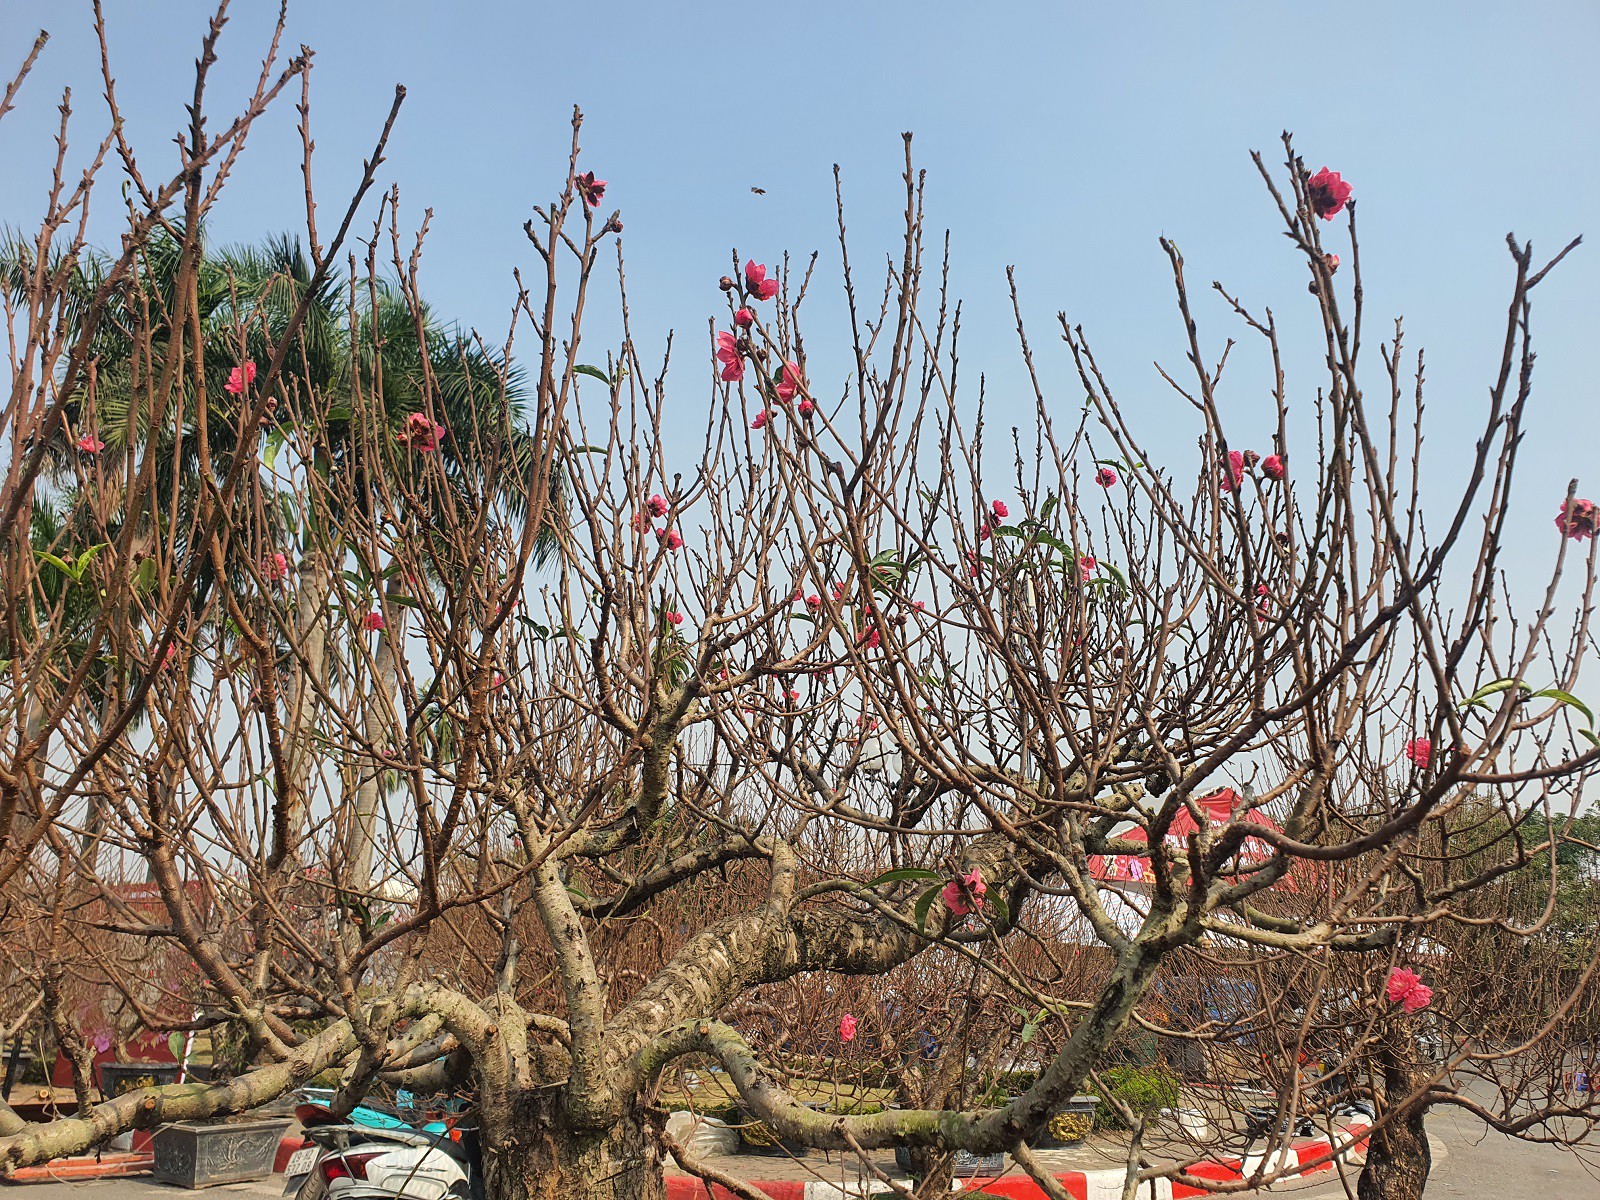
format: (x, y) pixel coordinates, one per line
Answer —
(1470, 1163)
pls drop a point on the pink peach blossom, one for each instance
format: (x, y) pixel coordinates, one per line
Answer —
(728, 355)
(675, 618)
(813, 602)
(1420, 751)
(1405, 987)
(744, 318)
(421, 433)
(955, 894)
(1272, 466)
(373, 621)
(657, 505)
(90, 444)
(1328, 193)
(1087, 566)
(1578, 519)
(788, 382)
(241, 377)
(757, 283)
(670, 538)
(999, 509)
(759, 421)
(591, 189)
(1234, 475)
(275, 566)
(847, 1028)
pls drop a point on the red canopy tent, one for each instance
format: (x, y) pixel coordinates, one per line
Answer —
(1220, 807)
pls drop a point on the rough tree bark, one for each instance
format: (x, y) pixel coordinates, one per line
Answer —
(1398, 1158)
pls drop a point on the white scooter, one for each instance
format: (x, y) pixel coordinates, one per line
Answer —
(374, 1155)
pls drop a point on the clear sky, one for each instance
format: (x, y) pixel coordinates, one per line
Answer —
(1062, 138)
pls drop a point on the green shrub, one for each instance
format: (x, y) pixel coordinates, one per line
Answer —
(1146, 1090)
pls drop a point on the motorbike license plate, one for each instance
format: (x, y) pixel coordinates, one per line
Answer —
(301, 1162)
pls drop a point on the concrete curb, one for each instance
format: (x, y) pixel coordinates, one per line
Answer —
(1081, 1185)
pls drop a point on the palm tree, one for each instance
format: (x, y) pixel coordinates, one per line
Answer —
(394, 358)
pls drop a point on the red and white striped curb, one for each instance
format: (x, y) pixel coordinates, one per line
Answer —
(1081, 1185)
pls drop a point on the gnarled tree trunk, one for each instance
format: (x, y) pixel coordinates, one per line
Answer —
(532, 1152)
(1398, 1158)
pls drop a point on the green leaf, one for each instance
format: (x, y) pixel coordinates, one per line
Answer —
(1116, 573)
(1028, 1031)
(55, 562)
(146, 576)
(1490, 689)
(1049, 507)
(999, 911)
(924, 903)
(405, 601)
(275, 441)
(1567, 698)
(1591, 735)
(593, 373)
(175, 1045)
(901, 874)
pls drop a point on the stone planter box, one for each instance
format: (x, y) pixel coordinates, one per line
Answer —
(117, 1079)
(1071, 1123)
(197, 1156)
(963, 1166)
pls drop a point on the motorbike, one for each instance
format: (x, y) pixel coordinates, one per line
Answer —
(376, 1153)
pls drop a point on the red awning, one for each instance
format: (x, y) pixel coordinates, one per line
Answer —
(1219, 807)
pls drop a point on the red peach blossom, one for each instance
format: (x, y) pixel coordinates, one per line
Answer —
(1272, 466)
(1087, 566)
(744, 318)
(241, 377)
(1420, 751)
(1106, 477)
(675, 618)
(1000, 510)
(813, 602)
(670, 538)
(657, 505)
(757, 283)
(373, 621)
(805, 408)
(728, 356)
(1328, 193)
(1235, 475)
(90, 444)
(759, 421)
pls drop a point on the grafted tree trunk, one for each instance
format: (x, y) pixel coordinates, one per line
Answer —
(531, 1152)
(1398, 1158)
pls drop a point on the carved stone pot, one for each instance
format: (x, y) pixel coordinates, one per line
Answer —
(197, 1156)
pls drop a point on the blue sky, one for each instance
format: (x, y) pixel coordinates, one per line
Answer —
(1060, 138)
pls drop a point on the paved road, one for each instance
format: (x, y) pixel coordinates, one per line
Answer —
(1470, 1163)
